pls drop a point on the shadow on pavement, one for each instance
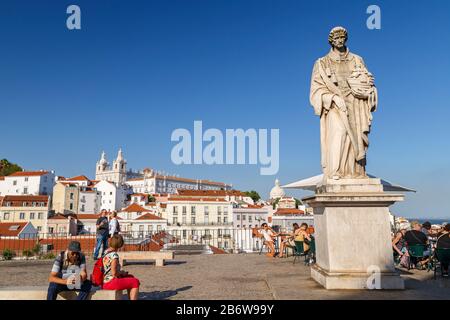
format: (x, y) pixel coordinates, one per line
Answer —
(161, 295)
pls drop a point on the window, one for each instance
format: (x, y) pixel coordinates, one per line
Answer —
(218, 219)
(82, 208)
(24, 204)
(40, 216)
(238, 217)
(6, 216)
(250, 219)
(175, 210)
(25, 190)
(184, 234)
(225, 219)
(175, 220)
(71, 206)
(22, 215)
(158, 228)
(50, 230)
(31, 215)
(192, 210)
(206, 210)
(243, 217)
(71, 196)
(184, 220)
(192, 220)
(219, 210)
(225, 210)
(39, 229)
(110, 193)
(26, 179)
(150, 228)
(15, 183)
(184, 209)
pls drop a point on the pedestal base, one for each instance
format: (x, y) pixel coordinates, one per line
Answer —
(355, 280)
(353, 235)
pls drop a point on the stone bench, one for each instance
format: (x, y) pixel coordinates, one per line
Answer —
(158, 256)
(40, 293)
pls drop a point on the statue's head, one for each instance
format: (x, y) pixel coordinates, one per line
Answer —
(338, 37)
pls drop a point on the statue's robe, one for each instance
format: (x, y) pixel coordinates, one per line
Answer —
(343, 135)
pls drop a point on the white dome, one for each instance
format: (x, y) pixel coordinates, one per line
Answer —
(277, 191)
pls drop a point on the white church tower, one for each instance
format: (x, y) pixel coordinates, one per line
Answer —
(117, 173)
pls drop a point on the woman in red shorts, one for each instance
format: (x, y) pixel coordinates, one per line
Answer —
(114, 278)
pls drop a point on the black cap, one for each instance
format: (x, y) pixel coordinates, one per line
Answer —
(75, 246)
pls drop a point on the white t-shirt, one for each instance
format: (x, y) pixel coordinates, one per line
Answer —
(267, 234)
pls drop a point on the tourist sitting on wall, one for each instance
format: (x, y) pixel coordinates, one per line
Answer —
(288, 242)
(268, 234)
(114, 278)
(416, 237)
(69, 273)
(114, 226)
(443, 242)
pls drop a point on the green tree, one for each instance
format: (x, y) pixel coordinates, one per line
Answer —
(151, 198)
(253, 194)
(7, 168)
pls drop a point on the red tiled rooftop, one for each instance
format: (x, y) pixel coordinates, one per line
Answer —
(5, 228)
(134, 208)
(28, 174)
(288, 211)
(149, 216)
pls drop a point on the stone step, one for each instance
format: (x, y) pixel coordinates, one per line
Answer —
(40, 293)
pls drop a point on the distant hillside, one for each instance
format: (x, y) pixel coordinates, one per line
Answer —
(7, 168)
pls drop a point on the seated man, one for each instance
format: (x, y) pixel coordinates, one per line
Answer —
(443, 242)
(268, 234)
(416, 237)
(69, 273)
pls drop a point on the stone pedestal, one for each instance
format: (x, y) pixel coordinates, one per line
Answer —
(353, 238)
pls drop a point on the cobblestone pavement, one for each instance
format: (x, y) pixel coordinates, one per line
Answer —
(234, 277)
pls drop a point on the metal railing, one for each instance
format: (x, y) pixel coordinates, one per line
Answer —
(48, 245)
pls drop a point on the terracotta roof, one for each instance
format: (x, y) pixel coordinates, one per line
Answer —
(288, 211)
(2, 178)
(28, 173)
(255, 206)
(134, 208)
(17, 201)
(58, 216)
(11, 229)
(87, 216)
(149, 216)
(135, 179)
(197, 199)
(78, 178)
(209, 193)
(163, 205)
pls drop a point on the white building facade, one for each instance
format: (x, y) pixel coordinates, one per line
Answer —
(28, 183)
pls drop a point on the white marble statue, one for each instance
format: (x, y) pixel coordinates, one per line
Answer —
(344, 96)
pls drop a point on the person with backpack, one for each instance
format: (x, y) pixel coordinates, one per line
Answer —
(102, 226)
(113, 277)
(114, 226)
(69, 273)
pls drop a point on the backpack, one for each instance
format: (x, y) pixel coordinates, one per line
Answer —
(98, 273)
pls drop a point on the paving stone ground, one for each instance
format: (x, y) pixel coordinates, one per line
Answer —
(234, 277)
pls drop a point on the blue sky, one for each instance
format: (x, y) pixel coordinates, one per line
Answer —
(140, 69)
